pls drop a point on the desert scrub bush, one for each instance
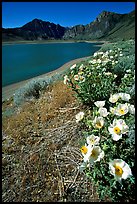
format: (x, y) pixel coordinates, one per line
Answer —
(33, 89)
(108, 147)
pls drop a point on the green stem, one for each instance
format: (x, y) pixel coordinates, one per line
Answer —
(74, 88)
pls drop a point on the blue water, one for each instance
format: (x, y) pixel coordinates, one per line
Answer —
(24, 61)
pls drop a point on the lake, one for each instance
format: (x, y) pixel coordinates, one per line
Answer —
(24, 61)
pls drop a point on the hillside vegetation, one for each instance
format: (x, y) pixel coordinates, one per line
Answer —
(73, 138)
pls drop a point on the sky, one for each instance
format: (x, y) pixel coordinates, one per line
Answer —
(17, 14)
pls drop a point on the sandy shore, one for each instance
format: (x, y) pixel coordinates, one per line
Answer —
(51, 41)
(9, 90)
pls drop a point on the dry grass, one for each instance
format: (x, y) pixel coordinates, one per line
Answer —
(41, 152)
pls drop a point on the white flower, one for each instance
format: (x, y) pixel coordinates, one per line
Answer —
(98, 122)
(95, 54)
(99, 61)
(81, 66)
(111, 57)
(97, 67)
(93, 140)
(119, 169)
(115, 76)
(107, 73)
(73, 66)
(100, 53)
(125, 76)
(76, 77)
(106, 52)
(121, 109)
(81, 79)
(131, 109)
(118, 128)
(66, 79)
(114, 98)
(120, 54)
(103, 112)
(94, 154)
(99, 104)
(104, 62)
(104, 69)
(124, 96)
(93, 61)
(128, 70)
(79, 116)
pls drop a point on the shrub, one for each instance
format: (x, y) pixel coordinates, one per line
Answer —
(127, 47)
(32, 89)
(127, 61)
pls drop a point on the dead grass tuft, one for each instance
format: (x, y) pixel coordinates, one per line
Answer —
(41, 152)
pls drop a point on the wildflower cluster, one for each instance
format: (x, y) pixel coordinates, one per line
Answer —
(108, 148)
(104, 152)
(94, 77)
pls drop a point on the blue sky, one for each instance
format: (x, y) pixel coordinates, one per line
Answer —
(16, 14)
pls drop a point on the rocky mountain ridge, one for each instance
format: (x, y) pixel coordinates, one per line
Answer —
(103, 27)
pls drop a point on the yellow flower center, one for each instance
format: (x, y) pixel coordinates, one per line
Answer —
(94, 154)
(81, 78)
(84, 149)
(92, 141)
(121, 111)
(117, 130)
(118, 170)
(98, 124)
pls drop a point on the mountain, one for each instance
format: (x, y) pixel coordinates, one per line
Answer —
(107, 26)
(34, 30)
(124, 29)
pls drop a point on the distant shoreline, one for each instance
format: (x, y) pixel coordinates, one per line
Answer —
(9, 90)
(50, 41)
